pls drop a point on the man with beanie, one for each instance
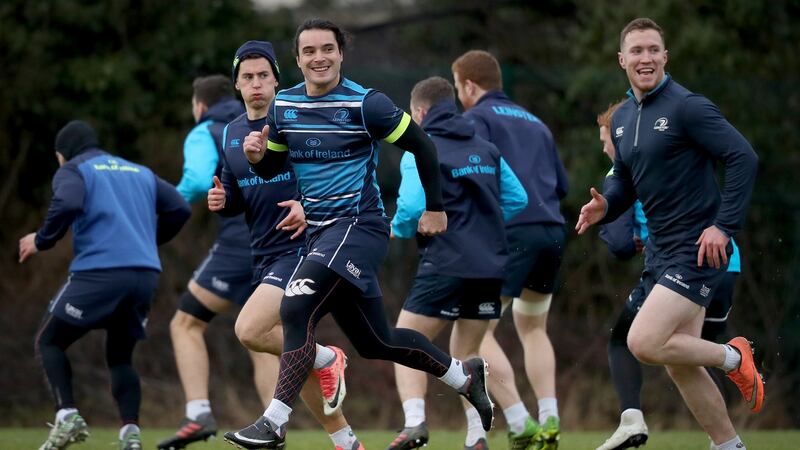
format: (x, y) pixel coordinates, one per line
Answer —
(119, 213)
(276, 221)
(223, 279)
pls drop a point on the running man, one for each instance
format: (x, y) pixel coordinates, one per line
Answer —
(223, 279)
(627, 236)
(535, 241)
(329, 128)
(119, 212)
(460, 272)
(667, 140)
(273, 234)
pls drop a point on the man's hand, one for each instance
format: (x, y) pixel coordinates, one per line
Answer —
(713, 243)
(216, 196)
(295, 220)
(432, 223)
(592, 212)
(255, 145)
(27, 246)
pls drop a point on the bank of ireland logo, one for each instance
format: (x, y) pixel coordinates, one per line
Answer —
(474, 159)
(313, 142)
(290, 114)
(661, 124)
(341, 115)
(235, 142)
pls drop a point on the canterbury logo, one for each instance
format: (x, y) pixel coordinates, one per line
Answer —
(300, 287)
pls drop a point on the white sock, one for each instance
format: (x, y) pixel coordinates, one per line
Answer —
(344, 438)
(474, 427)
(455, 376)
(129, 428)
(196, 407)
(733, 444)
(414, 409)
(516, 415)
(732, 359)
(63, 412)
(548, 406)
(277, 412)
(324, 357)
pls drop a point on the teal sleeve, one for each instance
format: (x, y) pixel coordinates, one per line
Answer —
(200, 159)
(513, 197)
(735, 262)
(410, 199)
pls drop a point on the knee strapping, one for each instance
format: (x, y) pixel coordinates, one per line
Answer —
(192, 306)
(532, 308)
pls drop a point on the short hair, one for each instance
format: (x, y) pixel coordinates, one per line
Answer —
(640, 24)
(604, 118)
(211, 89)
(342, 37)
(431, 91)
(480, 67)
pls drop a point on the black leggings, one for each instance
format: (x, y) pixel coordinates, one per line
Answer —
(53, 339)
(315, 291)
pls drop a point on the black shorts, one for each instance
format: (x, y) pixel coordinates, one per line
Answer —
(701, 285)
(227, 272)
(722, 302)
(453, 298)
(535, 252)
(354, 248)
(276, 270)
(118, 298)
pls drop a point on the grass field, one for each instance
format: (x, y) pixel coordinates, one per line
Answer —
(104, 439)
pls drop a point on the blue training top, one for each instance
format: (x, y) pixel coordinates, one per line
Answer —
(480, 193)
(528, 146)
(119, 211)
(246, 192)
(667, 146)
(332, 142)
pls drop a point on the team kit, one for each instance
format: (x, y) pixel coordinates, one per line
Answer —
(302, 233)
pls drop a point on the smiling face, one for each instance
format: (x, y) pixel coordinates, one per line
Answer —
(320, 59)
(643, 57)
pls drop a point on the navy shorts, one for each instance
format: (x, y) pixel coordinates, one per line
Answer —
(701, 285)
(535, 252)
(453, 298)
(354, 248)
(227, 272)
(108, 298)
(276, 270)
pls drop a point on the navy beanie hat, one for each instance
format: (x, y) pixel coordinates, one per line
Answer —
(76, 137)
(261, 48)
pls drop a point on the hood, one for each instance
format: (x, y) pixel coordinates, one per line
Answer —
(225, 110)
(443, 119)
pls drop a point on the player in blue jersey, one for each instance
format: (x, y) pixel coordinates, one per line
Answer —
(627, 236)
(536, 240)
(119, 212)
(667, 140)
(223, 279)
(460, 272)
(275, 221)
(329, 128)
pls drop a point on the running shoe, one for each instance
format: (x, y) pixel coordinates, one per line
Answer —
(526, 438)
(199, 429)
(261, 434)
(410, 437)
(475, 390)
(356, 446)
(331, 382)
(131, 441)
(65, 432)
(549, 434)
(480, 445)
(746, 377)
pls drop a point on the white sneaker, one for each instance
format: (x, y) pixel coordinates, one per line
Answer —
(632, 432)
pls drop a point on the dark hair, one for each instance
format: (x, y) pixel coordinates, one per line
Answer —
(431, 91)
(211, 89)
(342, 37)
(640, 24)
(480, 67)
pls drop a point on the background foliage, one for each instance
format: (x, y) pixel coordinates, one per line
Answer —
(127, 67)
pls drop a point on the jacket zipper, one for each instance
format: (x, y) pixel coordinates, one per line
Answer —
(636, 135)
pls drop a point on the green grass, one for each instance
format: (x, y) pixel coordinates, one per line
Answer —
(104, 439)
